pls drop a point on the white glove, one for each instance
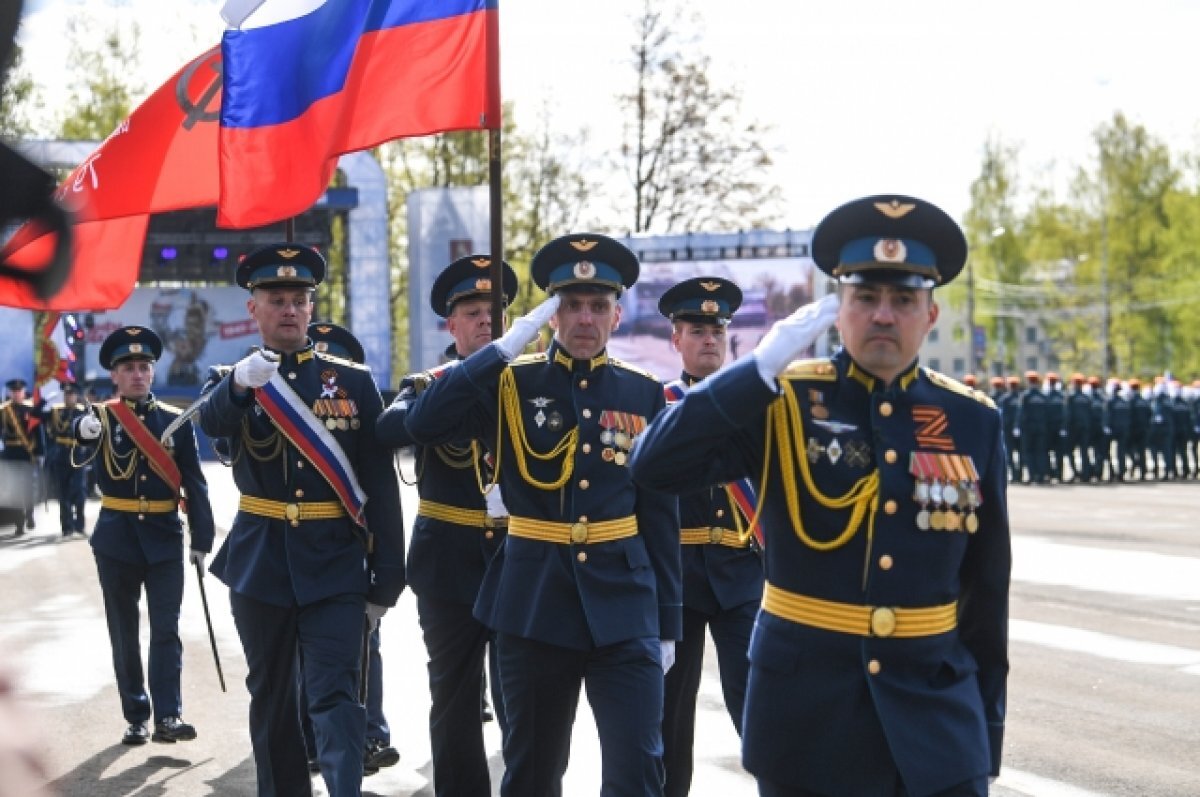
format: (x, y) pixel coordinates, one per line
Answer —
(666, 650)
(495, 502)
(1016, 432)
(789, 337)
(254, 371)
(375, 613)
(525, 329)
(197, 557)
(89, 427)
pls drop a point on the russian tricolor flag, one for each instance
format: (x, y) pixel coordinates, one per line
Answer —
(308, 80)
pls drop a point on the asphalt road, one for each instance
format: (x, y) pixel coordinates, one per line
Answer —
(1103, 696)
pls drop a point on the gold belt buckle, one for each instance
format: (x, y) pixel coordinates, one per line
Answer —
(883, 621)
(292, 511)
(143, 505)
(715, 534)
(579, 533)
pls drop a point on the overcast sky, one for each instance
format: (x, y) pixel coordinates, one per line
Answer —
(865, 96)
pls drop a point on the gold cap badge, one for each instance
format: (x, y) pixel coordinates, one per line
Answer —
(481, 262)
(584, 245)
(895, 209)
(584, 269)
(710, 286)
(483, 284)
(285, 271)
(709, 306)
(287, 254)
(890, 250)
(135, 348)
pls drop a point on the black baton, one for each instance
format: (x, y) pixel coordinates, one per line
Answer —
(212, 640)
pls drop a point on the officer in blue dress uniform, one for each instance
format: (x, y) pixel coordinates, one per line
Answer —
(879, 660)
(455, 535)
(1077, 421)
(138, 537)
(22, 450)
(337, 341)
(1033, 429)
(70, 482)
(1140, 415)
(587, 585)
(309, 565)
(722, 568)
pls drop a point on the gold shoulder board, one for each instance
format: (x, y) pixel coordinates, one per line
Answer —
(530, 359)
(817, 370)
(634, 368)
(333, 358)
(954, 386)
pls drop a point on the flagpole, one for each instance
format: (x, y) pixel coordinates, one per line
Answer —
(289, 229)
(495, 175)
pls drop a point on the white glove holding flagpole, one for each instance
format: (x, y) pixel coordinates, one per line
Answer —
(525, 329)
(254, 370)
(789, 337)
(89, 427)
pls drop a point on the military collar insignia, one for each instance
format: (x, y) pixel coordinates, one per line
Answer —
(566, 361)
(860, 376)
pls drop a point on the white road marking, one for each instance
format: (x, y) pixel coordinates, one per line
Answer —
(1105, 646)
(1014, 780)
(1111, 570)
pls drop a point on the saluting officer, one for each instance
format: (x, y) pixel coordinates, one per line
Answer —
(879, 660)
(138, 537)
(587, 585)
(337, 341)
(722, 569)
(455, 535)
(317, 546)
(22, 449)
(70, 483)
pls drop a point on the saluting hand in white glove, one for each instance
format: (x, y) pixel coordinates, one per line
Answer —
(525, 329)
(254, 370)
(789, 337)
(89, 427)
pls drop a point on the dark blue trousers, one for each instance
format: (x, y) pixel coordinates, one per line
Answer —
(971, 788)
(71, 487)
(731, 631)
(377, 725)
(541, 682)
(122, 584)
(328, 634)
(457, 644)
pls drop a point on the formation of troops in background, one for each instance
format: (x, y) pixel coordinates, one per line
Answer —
(1089, 432)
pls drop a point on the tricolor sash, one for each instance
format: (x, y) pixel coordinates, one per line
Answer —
(295, 421)
(741, 492)
(161, 461)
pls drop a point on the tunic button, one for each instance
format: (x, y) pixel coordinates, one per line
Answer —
(873, 666)
(299, 493)
(141, 517)
(141, 417)
(587, 448)
(885, 562)
(291, 374)
(143, 477)
(587, 413)
(885, 409)
(489, 534)
(583, 384)
(581, 556)
(890, 456)
(584, 484)
(299, 463)
(583, 518)
(890, 507)
(720, 513)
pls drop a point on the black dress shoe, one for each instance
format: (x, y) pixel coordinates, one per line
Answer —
(135, 734)
(378, 754)
(172, 729)
(29, 524)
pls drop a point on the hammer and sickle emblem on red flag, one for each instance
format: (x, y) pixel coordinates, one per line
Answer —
(199, 110)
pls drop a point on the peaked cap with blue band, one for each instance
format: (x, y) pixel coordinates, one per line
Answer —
(130, 343)
(286, 265)
(330, 338)
(469, 277)
(890, 238)
(707, 300)
(582, 260)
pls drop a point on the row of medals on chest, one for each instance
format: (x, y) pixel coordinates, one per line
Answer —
(953, 505)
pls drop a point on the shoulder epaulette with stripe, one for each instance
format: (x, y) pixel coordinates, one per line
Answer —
(954, 386)
(333, 358)
(820, 369)
(634, 368)
(530, 359)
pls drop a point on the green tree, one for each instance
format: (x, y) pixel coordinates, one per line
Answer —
(694, 161)
(102, 95)
(17, 97)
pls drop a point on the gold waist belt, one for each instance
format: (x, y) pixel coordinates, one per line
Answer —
(714, 535)
(139, 506)
(476, 518)
(278, 510)
(568, 533)
(65, 441)
(851, 618)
